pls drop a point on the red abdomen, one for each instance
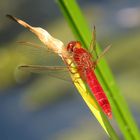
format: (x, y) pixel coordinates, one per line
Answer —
(98, 92)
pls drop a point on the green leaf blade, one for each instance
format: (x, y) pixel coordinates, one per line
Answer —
(120, 109)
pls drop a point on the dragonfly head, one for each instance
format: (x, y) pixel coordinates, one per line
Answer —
(73, 45)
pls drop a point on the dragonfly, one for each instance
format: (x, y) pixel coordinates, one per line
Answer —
(85, 66)
(84, 62)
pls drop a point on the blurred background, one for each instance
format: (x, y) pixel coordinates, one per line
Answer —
(40, 107)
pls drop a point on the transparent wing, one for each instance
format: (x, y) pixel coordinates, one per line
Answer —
(41, 57)
(31, 48)
(35, 46)
(37, 54)
(41, 69)
(60, 72)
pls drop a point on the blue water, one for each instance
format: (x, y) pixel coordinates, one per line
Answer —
(18, 123)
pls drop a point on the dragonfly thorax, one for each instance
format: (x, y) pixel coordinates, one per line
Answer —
(83, 59)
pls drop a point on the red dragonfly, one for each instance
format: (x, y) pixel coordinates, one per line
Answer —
(85, 67)
(85, 64)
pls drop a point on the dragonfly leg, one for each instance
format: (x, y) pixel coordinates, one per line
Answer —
(102, 54)
(79, 83)
(93, 43)
(70, 65)
(76, 81)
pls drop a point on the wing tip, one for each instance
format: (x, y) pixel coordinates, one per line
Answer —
(11, 17)
(21, 67)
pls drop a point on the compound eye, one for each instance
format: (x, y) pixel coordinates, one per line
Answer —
(71, 46)
(78, 44)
